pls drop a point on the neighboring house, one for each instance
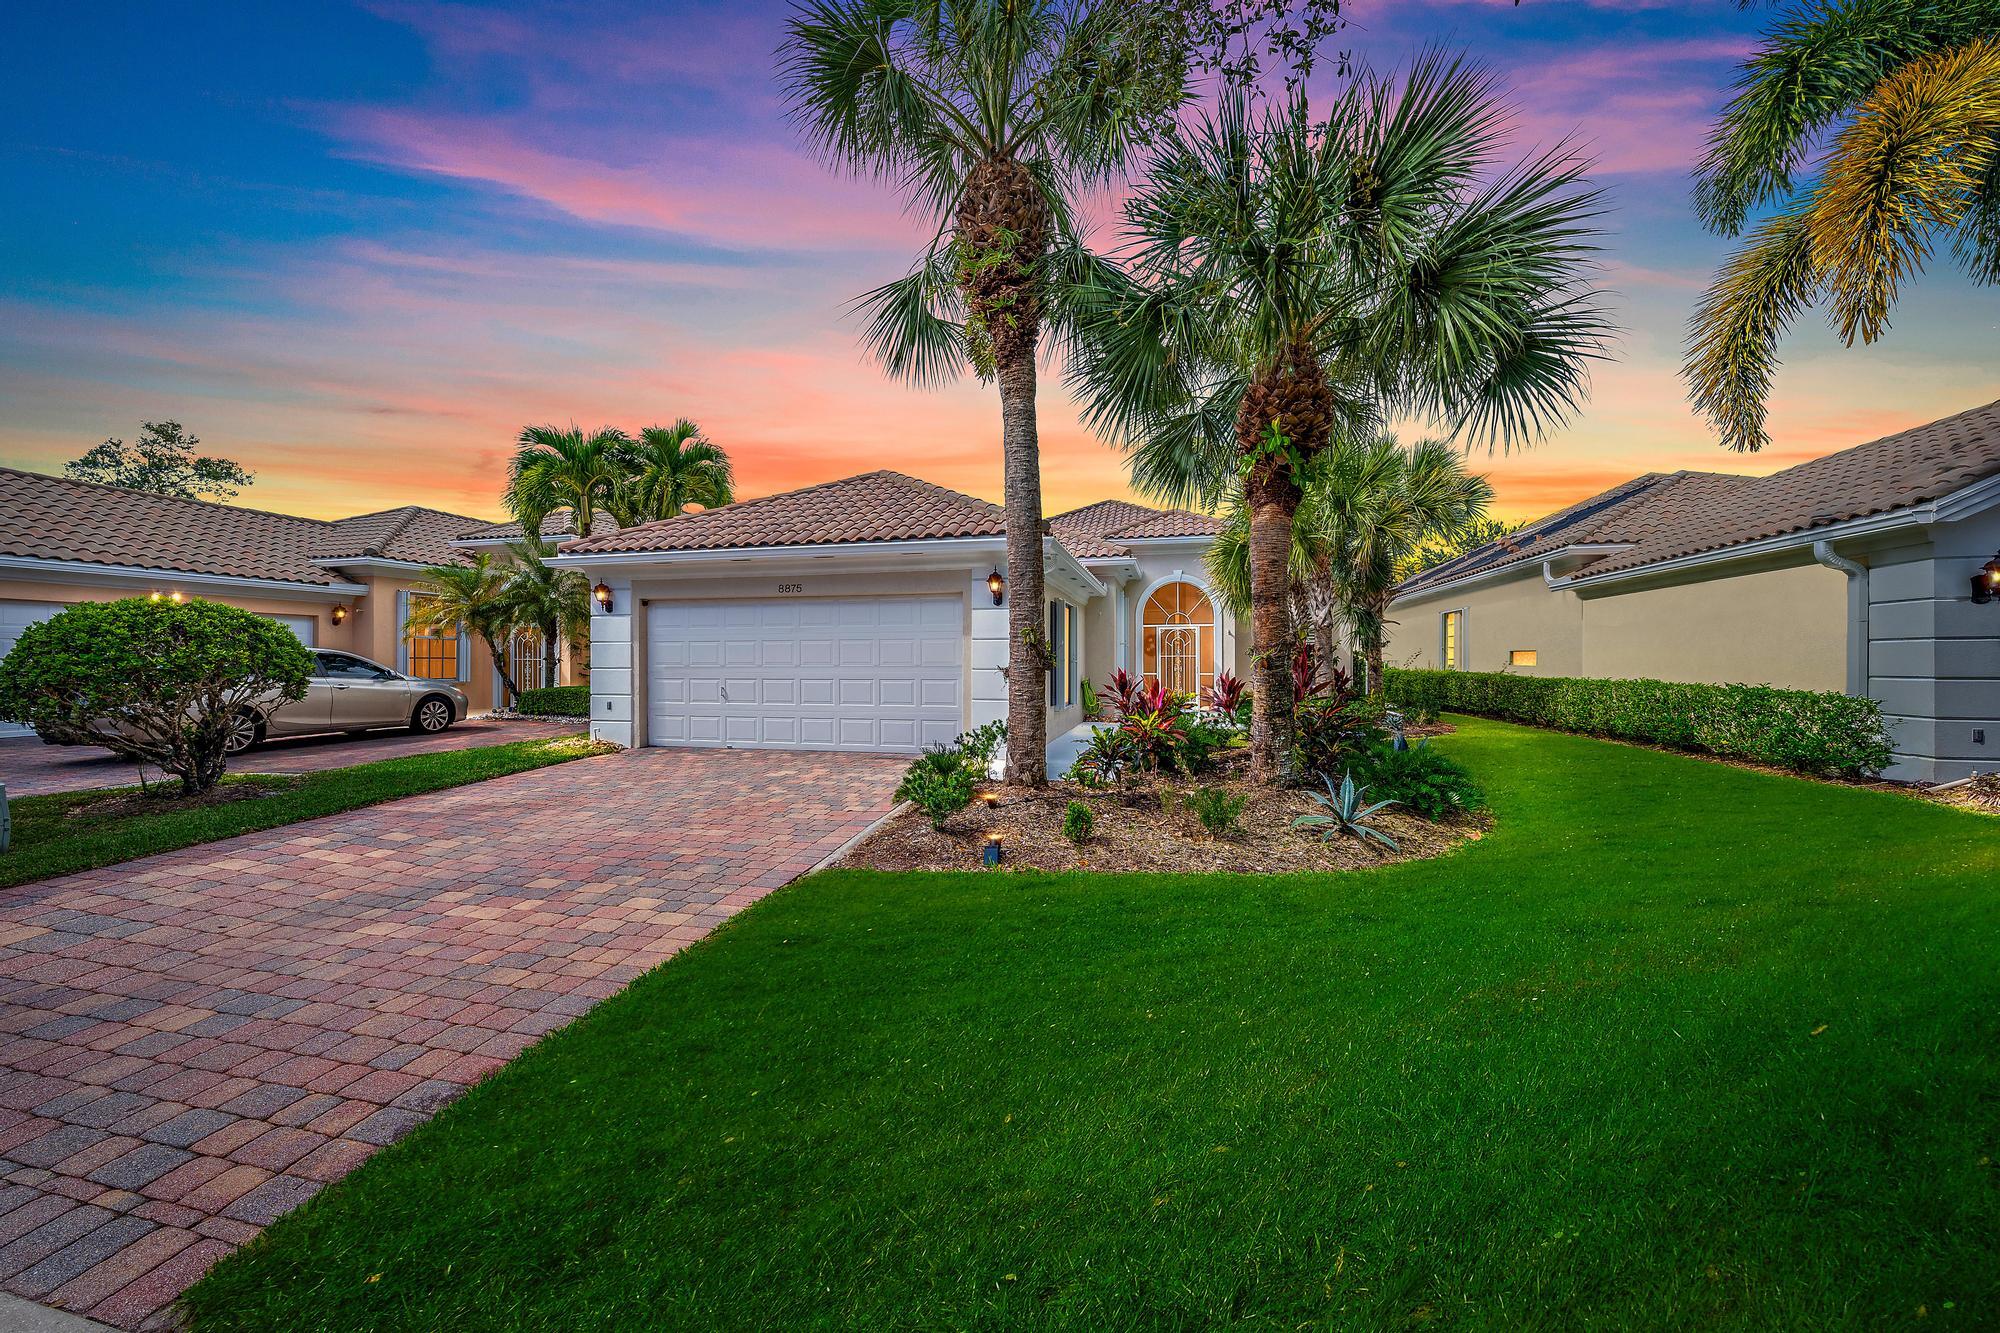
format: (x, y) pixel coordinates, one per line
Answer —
(859, 615)
(1850, 572)
(344, 583)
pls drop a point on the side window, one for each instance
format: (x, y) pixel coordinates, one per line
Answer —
(339, 666)
(1451, 651)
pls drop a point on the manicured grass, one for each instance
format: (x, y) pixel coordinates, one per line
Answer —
(1677, 1046)
(49, 839)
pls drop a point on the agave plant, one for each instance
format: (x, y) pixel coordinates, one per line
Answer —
(1342, 810)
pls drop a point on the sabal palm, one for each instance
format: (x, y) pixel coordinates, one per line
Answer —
(473, 598)
(1293, 281)
(555, 602)
(1367, 505)
(669, 468)
(989, 116)
(1902, 99)
(562, 468)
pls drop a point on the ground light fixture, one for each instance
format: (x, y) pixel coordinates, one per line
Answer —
(992, 854)
(602, 592)
(1987, 581)
(996, 583)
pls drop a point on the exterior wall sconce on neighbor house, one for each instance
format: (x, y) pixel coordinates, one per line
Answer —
(175, 597)
(339, 614)
(602, 592)
(996, 584)
(1987, 581)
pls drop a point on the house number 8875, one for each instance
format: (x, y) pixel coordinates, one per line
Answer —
(791, 587)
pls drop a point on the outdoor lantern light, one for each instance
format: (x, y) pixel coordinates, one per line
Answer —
(339, 615)
(1987, 581)
(996, 585)
(175, 597)
(992, 856)
(602, 592)
(157, 595)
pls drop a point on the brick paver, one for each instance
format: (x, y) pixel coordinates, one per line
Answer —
(30, 768)
(192, 1044)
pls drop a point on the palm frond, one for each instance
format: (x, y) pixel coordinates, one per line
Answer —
(1733, 334)
(915, 325)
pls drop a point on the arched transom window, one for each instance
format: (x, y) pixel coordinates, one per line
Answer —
(1177, 627)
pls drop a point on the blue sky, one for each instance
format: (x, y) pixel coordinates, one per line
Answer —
(359, 246)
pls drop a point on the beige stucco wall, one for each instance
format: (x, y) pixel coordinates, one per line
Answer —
(1775, 626)
(1784, 627)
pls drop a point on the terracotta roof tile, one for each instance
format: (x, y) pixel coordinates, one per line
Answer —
(555, 528)
(54, 518)
(874, 507)
(1097, 531)
(1170, 523)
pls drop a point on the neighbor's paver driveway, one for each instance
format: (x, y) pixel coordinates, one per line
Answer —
(30, 768)
(194, 1043)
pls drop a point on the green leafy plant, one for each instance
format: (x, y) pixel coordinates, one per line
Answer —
(939, 784)
(1805, 730)
(555, 701)
(1344, 811)
(1199, 742)
(1078, 823)
(1423, 780)
(1333, 731)
(1093, 707)
(165, 683)
(1156, 739)
(979, 745)
(1106, 761)
(1219, 810)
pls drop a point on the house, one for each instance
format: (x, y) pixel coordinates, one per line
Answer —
(1857, 572)
(870, 614)
(343, 583)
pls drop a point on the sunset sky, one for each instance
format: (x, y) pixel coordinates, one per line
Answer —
(358, 247)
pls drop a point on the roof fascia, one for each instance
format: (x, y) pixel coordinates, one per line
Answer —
(89, 572)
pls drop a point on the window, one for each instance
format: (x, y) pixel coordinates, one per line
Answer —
(1451, 653)
(1521, 657)
(433, 655)
(1064, 654)
(339, 666)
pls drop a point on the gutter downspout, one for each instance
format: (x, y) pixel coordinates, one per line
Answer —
(1857, 614)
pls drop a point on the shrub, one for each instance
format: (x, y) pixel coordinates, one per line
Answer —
(1332, 733)
(1156, 738)
(1805, 730)
(1078, 823)
(1226, 693)
(1343, 810)
(1199, 742)
(554, 701)
(1121, 693)
(163, 683)
(1423, 780)
(1105, 760)
(1093, 707)
(1217, 808)
(939, 790)
(979, 745)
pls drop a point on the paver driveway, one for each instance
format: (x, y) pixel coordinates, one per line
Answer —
(194, 1043)
(30, 768)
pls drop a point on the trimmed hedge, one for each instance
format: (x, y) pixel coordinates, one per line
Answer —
(1805, 730)
(555, 701)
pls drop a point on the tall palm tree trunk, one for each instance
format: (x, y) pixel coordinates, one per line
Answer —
(552, 656)
(1273, 500)
(509, 690)
(1027, 723)
(1372, 635)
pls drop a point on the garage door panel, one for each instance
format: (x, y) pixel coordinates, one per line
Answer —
(15, 617)
(887, 677)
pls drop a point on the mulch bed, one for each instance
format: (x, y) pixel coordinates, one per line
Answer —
(117, 805)
(1135, 832)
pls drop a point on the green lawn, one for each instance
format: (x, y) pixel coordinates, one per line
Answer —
(1677, 1046)
(53, 837)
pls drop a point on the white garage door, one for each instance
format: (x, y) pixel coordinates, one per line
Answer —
(849, 673)
(306, 627)
(15, 617)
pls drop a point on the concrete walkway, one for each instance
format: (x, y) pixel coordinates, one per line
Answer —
(192, 1044)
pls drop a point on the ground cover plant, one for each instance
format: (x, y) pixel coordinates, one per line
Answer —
(71, 831)
(1677, 1045)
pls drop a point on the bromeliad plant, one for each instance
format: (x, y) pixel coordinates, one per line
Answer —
(1343, 811)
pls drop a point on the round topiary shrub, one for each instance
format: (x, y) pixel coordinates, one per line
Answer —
(159, 682)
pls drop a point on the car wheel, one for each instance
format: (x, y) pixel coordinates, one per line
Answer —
(432, 716)
(245, 730)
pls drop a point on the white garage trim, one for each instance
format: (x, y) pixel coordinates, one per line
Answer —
(15, 617)
(883, 674)
(306, 627)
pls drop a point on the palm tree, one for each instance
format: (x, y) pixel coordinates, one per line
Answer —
(669, 468)
(1902, 99)
(990, 116)
(555, 602)
(1436, 550)
(474, 598)
(557, 468)
(1292, 281)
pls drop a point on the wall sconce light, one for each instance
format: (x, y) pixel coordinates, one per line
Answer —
(1987, 581)
(997, 585)
(157, 596)
(175, 597)
(339, 615)
(992, 854)
(602, 592)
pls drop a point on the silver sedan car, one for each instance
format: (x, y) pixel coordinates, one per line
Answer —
(349, 693)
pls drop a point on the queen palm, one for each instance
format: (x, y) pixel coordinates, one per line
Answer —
(562, 468)
(989, 116)
(1292, 280)
(1901, 98)
(669, 468)
(1367, 505)
(473, 598)
(554, 602)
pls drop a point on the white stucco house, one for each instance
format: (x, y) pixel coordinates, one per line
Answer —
(860, 615)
